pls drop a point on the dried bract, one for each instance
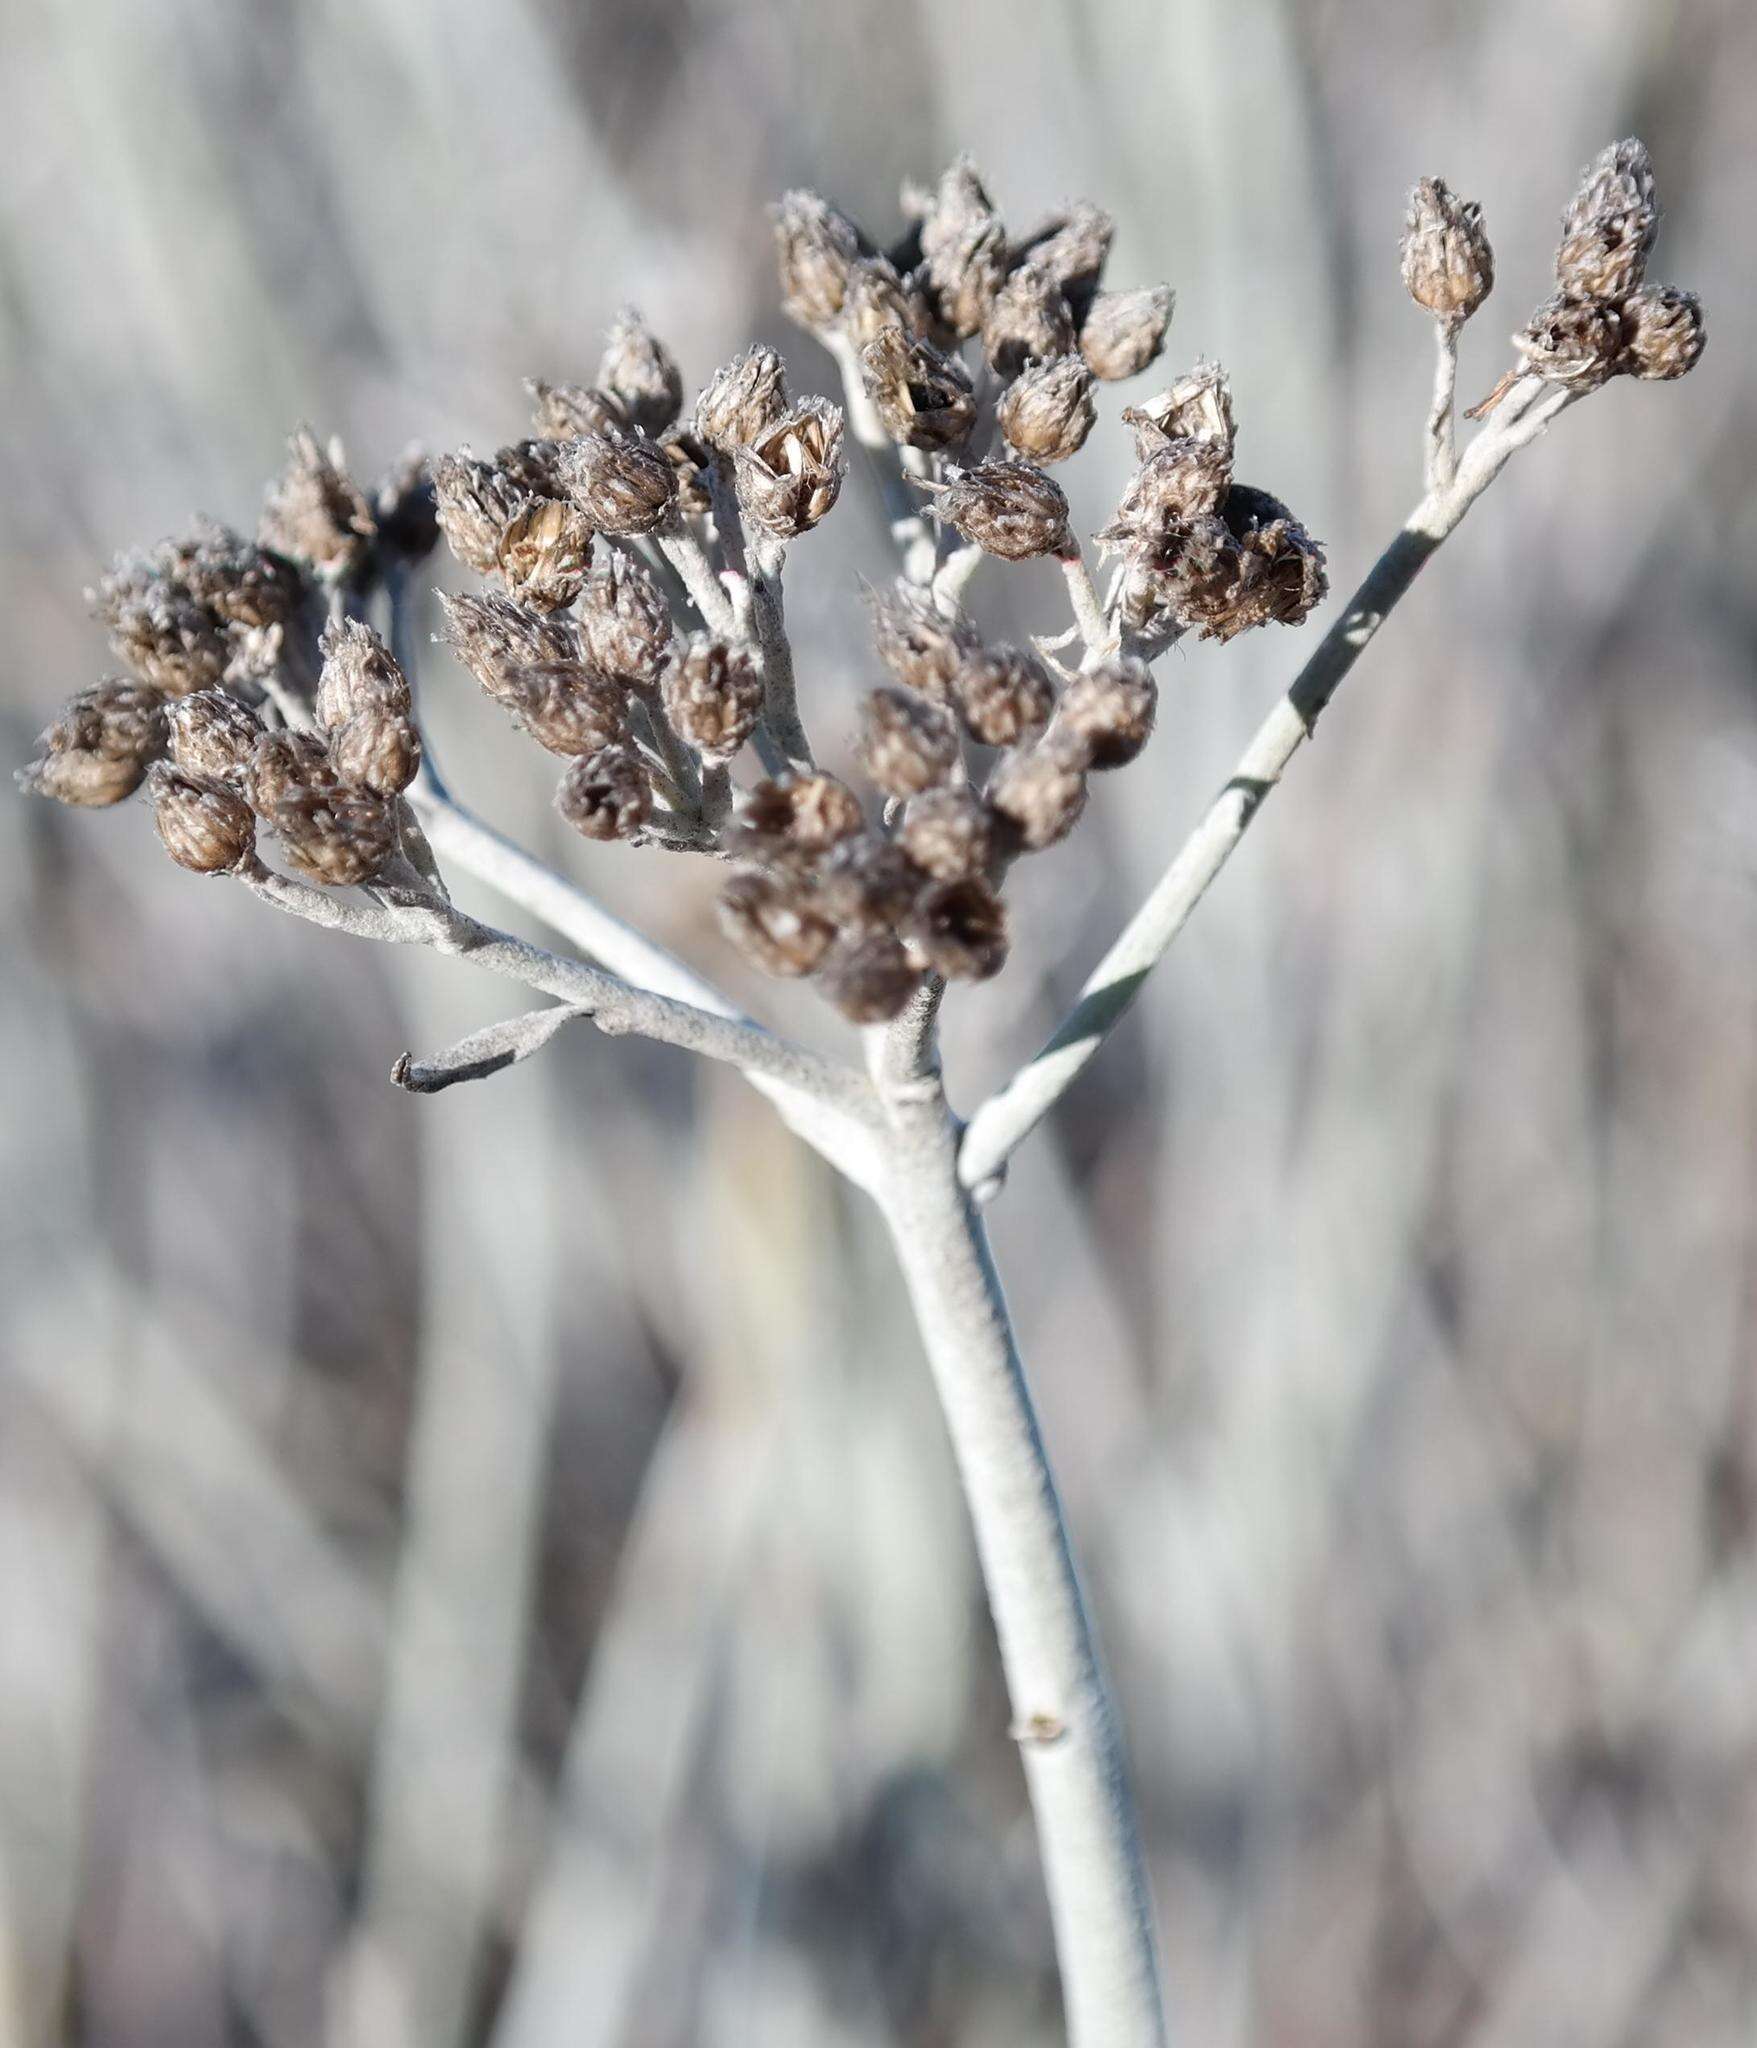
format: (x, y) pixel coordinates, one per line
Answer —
(959, 929)
(1663, 332)
(789, 476)
(1198, 407)
(816, 250)
(376, 749)
(545, 553)
(922, 645)
(1448, 266)
(1179, 481)
(923, 398)
(1004, 696)
(213, 737)
(907, 744)
(606, 795)
(98, 750)
(774, 923)
(1610, 225)
(641, 374)
(963, 249)
(866, 883)
(359, 674)
(567, 708)
(563, 412)
(692, 465)
(496, 639)
(337, 836)
(1108, 711)
(288, 764)
(622, 483)
(1038, 794)
(1010, 509)
(204, 826)
(1028, 319)
(870, 980)
(316, 513)
(1047, 411)
(742, 400)
(1072, 250)
(1572, 340)
(879, 301)
(162, 633)
(475, 503)
(948, 833)
(625, 621)
(1124, 331)
(713, 696)
(799, 814)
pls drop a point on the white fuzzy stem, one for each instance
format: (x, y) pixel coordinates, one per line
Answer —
(1440, 464)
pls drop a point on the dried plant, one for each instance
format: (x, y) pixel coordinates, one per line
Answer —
(636, 628)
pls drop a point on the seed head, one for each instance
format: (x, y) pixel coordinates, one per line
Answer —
(692, 464)
(359, 674)
(963, 249)
(625, 621)
(742, 399)
(816, 249)
(1038, 794)
(1448, 266)
(532, 466)
(1047, 411)
(1253, 565)
(908, 744)
(241, 584)
(1004, 696)
(567, 707)
(789, 476)
(1072, 250)
(606, 795)
(563, 412)
(376, 749)
(289, 764)
(213, 737)
(879, 301)
(316, 513)
(475, 503)
(871, 979)
(922, 646)
(620, 482)
(959, 929)
(774, 923)
(798, 814)
(496, 639)
(1125, 331)
(545, 553)
(1010, 509)
(866, 883)
(338, 836)
(1179, 481)
(404, 505)
(1570, 340)
(203, 825)
(713, 696)
(924, 399)
(98, 750)
(167, 638)
(1610, 225)
(640, 373)
(1663, 333)
(948, 833)
(1028, 319)
(1108, 711)
(1198, 407)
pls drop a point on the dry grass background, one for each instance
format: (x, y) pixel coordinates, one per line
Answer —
(486, 1569)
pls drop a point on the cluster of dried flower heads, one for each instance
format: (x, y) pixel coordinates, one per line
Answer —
(636, 629)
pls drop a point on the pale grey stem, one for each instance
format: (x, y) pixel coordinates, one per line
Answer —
(1020, 1105)
(1062, 1716)
(681, 767)
(1441, 457)
(910, 525)
(707, 593)
(780, 692)
(485, 1052)
(954, 573)
(1098, 632)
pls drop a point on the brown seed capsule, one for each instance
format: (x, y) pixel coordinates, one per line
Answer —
(1610, 225)
(544, 555)
(1004, 696)
(1038, 794)
(1047, 411)
(1108, 711)
(213, 737)
(816, 249)
(238, 582)
(742, 400)
(316, 513)
(1448, 266)
(866, 883)
(1072, 249)
(475, 503)
(203, 825)
(870, 980)
(959, 929)
(533, 467)
(1663, 332)
(165, 637)
(622, 483)
(376, 749)
(1125, 331)
(98, 750)
(789, 476)
(878, 301)
(337, 836)
(963, 249)
(798, 814)
(1010, 509)
(641, 374)
(713, 696)
(566, 707)
(359, 674)
(1254, 565)
(496, 639)
(773, 922)
(907, 743)
(948, 833)
(1572, 341)
(563, 412)
(1198, 407)
(606, 795)
(625, 621)
(923, 398)
(1178, 482)
(405, 507)
(922, 646)
(1028, 320)
(289, 764)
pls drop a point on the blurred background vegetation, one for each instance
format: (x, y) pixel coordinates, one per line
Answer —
(486, 1570)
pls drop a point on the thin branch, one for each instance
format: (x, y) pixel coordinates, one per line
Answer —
(953, 574)
(768, 620)
(1440, 463)
(1017, 1108)
(707, 593)
(1099, 634)
(485, 1052)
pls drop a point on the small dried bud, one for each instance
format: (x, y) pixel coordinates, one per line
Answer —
(316, 513)
(475, 503)
(1010, 509)
(359, 674)
(713, 696)
(1610, 225)
(924, 399)
(879, 301)
(1448, 266)
(238, 582)
(158, 629)
(948, 833)
(1254, 565)
(625, 621)
(98, 751)
(496, 640)
(789, 477)
(606, 795)
(289, 764)
(1125, 331)
(1038, 794)
(544, 554)
(1178, 482)
(1047, 411)
(1663, 333)
(907, 744)
(1108, 711)
(742, 400)
(870, 980)
(817, 249)
(337, 835)
(566, 707)
(866, 883)
(1198, 407)
(203, 825)
(963, 249)
(563, 412)
(798, 814)
(641, 374)
(376, 749)
(213, 737)
(533, 467)
(1572, 341)
(1028, 320)
(1072, 250)
(1004, 696)
(623, 485)
(772, 921)
(405, 507)
(960, 929)
(922, 646)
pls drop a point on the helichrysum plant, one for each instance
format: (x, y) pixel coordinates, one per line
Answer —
(630, 619)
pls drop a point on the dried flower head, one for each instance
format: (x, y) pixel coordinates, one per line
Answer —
(963, 249)
(1254, 565)
(163, 634)
(1028, 319)
(475, 502)
(790, 475)
(923, 398)
(1038, 794)
(607, 794)
(621, 482)
(496, 639)
(359, 674)
(879, 300)
(1610, 225)
(213, 737)
(567, 707)
(316, 513)
(1047, 411)
(1663, 332)
(1448, 266)
(563, 412)
(774, 922)
(692, 464)
(1010, 509)
(1107, 711)
(948, 833)
(545, 553)
(1004, 696)
(98, 750)
(241, 584)
(742, 400)
(922, 645)
(1072, 249)
(1198, 407)
(1179, 481)
(713, 696)
(959, 929)
(798, 814)
(335, 835)
(1124, 331)
(532, 466)
(376, 749)
(406, 509)
(866, 883)
(907, 743)
(625, 621)
(203, 825)
(1571, 340)
(816, 249)
(288, 764)
(640, 373)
